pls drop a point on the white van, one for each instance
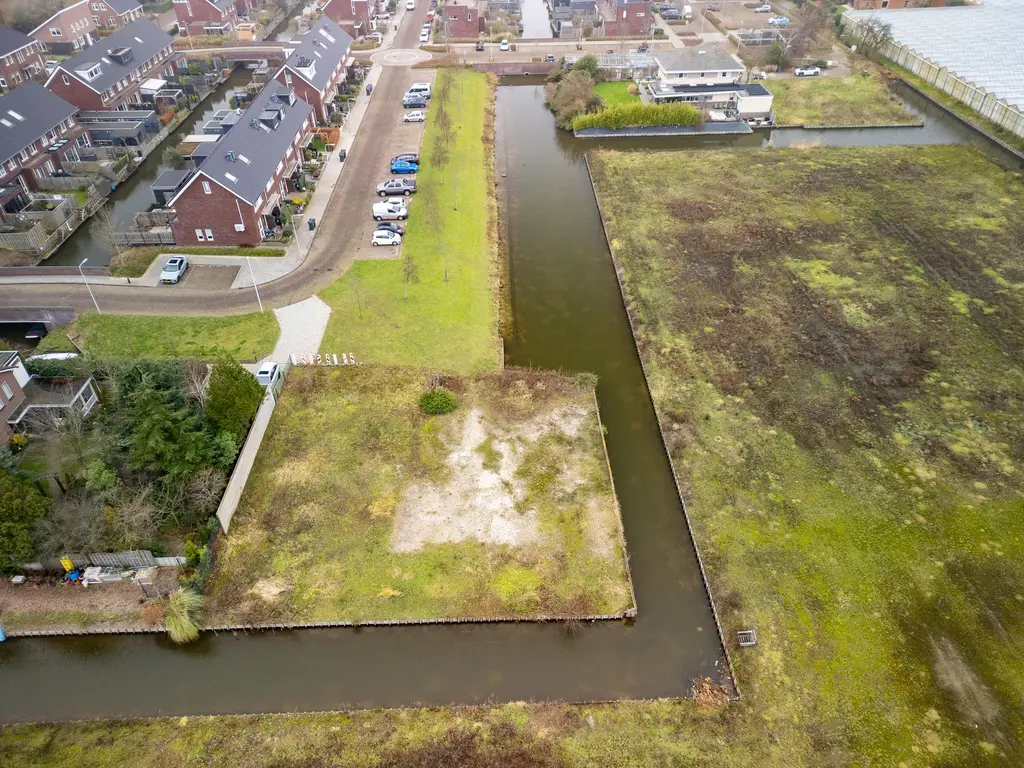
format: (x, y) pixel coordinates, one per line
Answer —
(389, 211)
(419, 89)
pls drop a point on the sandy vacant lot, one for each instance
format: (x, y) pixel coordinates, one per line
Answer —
(362, 507)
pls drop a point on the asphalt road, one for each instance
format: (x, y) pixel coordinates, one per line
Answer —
(336, 244)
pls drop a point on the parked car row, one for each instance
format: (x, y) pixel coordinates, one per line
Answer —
(394, 192)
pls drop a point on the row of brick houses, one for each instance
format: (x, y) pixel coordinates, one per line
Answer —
(206, 17)
(354, 16)
(39, 135)
(317, 65)
(108, 76)
(20, 58)
(79, 25)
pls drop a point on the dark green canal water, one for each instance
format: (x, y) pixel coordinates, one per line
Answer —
(567, 315)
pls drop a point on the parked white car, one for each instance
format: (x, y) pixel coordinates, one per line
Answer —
(390, 211)
(414, 117)
(424, 36)
(268, 374)
(503, 46)
(778, 21)
(174, 269)
(385, 237)
(410, 5)
(806, 71)
(763, 9)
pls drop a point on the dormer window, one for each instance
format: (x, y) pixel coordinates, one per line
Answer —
(89, 72)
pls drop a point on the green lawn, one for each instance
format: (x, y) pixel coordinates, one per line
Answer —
(243, 337)
(652, 734)
(1015, 141)
(445, 324)
(835, 348)
(135, 261)
(387, 513)
(615, 93)
(855, 100)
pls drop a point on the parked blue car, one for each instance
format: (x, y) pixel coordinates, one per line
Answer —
(401, 166)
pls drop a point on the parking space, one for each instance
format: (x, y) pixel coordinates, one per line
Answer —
(208, 278)
(401, 138)
(734, 15)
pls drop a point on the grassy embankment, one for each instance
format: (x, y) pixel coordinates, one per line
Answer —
(447, 325)
(633, 735)
(613, 93)
(855, 100)
(135, 261)
(503, 507)
(1015, 141)
(243, 337)
(836, 352)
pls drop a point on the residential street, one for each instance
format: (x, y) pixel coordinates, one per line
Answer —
(338, 235)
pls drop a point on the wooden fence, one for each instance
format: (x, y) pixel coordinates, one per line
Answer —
(62, 183)
(161, 217)
(130, 558)
(133, 237)
(31, 240)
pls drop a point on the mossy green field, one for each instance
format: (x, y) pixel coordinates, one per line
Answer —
(834, 344)
(502, 508)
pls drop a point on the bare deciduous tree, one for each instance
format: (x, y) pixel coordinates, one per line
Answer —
(195, 377)
(75, 524)
(203, 492)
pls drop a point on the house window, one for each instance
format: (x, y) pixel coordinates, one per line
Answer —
(885, 3)
(96, 20)
(3, 83)
(469, 15)
(56, 32)
(7, 390)
(287, 78)
(206, 188)
(702, 74)
(65, 79)
(209, 235)
(199, 235)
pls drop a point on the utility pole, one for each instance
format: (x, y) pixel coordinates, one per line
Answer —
(89, 287)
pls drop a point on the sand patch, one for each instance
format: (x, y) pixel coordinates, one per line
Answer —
(477, 502)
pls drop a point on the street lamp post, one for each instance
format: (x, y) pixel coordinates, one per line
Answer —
(94, 302)
(254, 285)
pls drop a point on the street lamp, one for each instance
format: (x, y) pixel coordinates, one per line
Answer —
(94, 302)
(254, 284)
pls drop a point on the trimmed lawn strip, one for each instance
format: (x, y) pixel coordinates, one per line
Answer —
(623, 735)
(854, 100)
(613, 93)
(82, 620)
(1008, 137)
(242, 337)
(135, 261)
(451, 324)
(834, 345)
(502, 508)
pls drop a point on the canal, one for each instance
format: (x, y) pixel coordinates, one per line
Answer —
(536, 23)
(567, 315)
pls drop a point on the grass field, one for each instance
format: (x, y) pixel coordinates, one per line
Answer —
(451, 324)
(503, 507)
(834, 343)
(1015, 141)
(626, 735)
(613, 93)
(243, 337)
(855, 100)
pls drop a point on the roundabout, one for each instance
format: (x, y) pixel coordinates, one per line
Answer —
(406, 57)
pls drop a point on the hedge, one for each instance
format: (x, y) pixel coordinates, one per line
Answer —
(634, 115)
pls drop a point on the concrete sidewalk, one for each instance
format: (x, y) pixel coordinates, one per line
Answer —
(302, 328)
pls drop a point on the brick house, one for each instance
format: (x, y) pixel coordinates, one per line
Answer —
(317, 66)
(626, 18)
(69, 30)
(98, 80)
(39, 135)
(20, 58)
(235, 196)
(879, 5)
(109, 15)
(206, 17)
(24, 397)
(354, 16)
(463, 20)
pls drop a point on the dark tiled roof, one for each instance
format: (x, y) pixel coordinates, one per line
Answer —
(11, 40)
(256, 149)
(705, 58)
(40, 111)
(324, 48)
(143, 37)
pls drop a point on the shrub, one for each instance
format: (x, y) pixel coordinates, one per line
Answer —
(234, 397)
(632, 89)
(587, 65)
(438, 401)
(573, 95)
(640, 115)
(183, 615)
(18, 443)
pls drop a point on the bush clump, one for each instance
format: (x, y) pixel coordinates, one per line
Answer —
(183, 615)
(438, 401)
(640, 116)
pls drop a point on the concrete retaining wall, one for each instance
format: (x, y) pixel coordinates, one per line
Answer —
(240, 474)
